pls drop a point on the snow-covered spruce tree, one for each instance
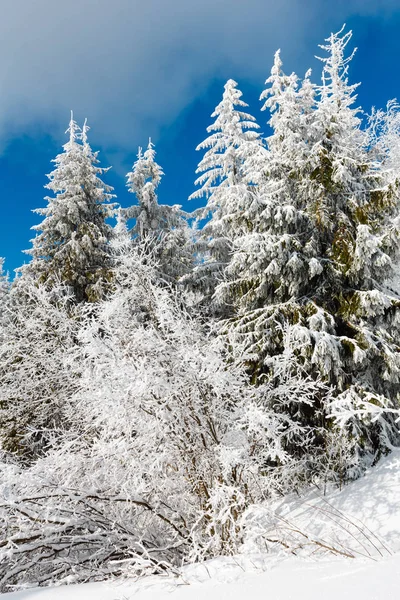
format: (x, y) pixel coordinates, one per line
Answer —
(71, 263)
(121, 232)
(72, 246)
(39, 329)
(325, 241)
(271, 257)
(161, 227)
(227, 185)
(167, 446)
(4, 287)
(384, 129)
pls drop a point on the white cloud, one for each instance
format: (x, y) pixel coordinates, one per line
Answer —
(131, 65)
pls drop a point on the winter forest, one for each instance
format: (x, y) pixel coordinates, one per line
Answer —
(164, 375)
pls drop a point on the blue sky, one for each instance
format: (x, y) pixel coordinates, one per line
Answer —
(156, 68)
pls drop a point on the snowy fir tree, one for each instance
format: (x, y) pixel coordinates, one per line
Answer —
(4, 285)
(325, 241)
(270, 259)
(121, 232)
(160, 227)
(384, 131)
(142, 428)
(72, 246)
(227, 184)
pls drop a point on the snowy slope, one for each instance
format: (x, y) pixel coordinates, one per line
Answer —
(364, 517)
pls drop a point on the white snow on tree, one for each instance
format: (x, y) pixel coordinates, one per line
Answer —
(384, 130)
(227, 184)
(166, 446)
(273, 258)
(4, 284)
(161, 227)
(39, 330)
(72, 246)
(325, 234)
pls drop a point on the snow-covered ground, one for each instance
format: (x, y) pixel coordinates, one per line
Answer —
(362, 520)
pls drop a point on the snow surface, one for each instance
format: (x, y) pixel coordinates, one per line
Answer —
(364, 517)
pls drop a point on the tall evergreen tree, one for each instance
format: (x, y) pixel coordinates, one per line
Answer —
(385, 139)
(273, 258)
(4, 284)
(72, 246)
(228, 175)
(324, 244)
(384, 130)
(161, 228)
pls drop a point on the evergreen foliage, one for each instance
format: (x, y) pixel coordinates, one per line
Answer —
(161, 227)
(326, 235)
(270, 261)
(72, 246)
(228, 170)
(4, 286)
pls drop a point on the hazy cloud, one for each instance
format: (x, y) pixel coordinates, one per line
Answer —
(131, 65)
